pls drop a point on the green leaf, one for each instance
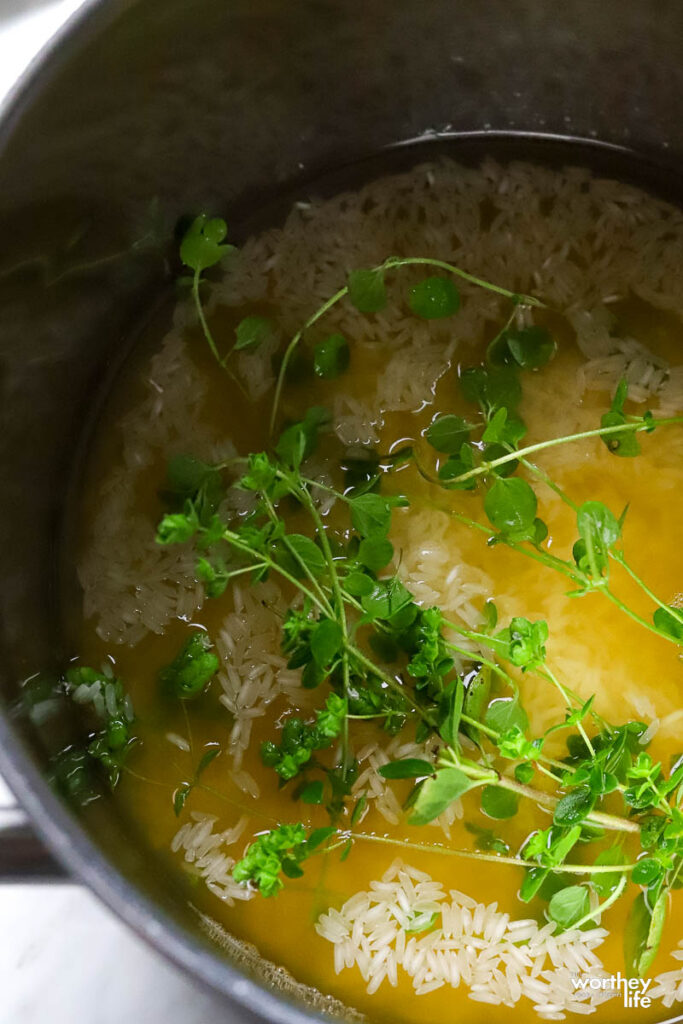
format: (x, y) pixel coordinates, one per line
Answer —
(643, 934)
(421, 922)
(438, 793)
(331, 357)
(290, 868)
(357, 811)
(192, 669)
(434, 298)
(180, 797)
(358, 584)
(326, 642)
(476, 699)
(371, 515)
(299, 440)
(524, 773)
(448, 433)
(605, 884)
(574, 807)
(408, 768)
(498, 802)
(384, 600)
(456, 466)
(319, 836)
(646, 871)
(253, 331)
(490, 614)
(375, 552)
(669, 623)
(569, 905)
(599, 530)
(367, 291)
(206, 759)
(522, 643)
(530, 347)
(506, 713)
(514, 745)
(623, 443)
(450, 727)
(502, 430)
(532, 882)
(485, 839)
(202, 245)
(308, 553)
(177, 528)
(492, 388)
(312, 793)
(510, 506)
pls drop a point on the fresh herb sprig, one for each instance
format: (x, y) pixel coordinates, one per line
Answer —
(355, 627)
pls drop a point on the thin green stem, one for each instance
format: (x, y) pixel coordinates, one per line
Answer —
(392, 263)
(608, 821)
(547, 673)
(272, 515)
(392, 683)
(491, 858)
(531, 467)
(291, 348)
(202, 319)
(520, 453)
(543, 557)
(479, 657)
(602, 907)
(233, 539)
(676, 613)
(506, 327)
(618, 603)
(520, 300)
(304, 495)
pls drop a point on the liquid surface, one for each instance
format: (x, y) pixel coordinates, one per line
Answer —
(140, 604)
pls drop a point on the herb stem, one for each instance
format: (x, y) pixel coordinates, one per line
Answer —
(600, 909)
(479, 657)
(519, 300)
(392, 263)
(549, 482)
(547, 673)
(291, 347)
(634, 615)
(202, 319)
(491, 858)
(295, 554)
(473, 771)
(232, 538)
(619, 558)
(520, 453)
(340, 613)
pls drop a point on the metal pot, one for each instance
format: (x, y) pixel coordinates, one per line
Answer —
(228, 107)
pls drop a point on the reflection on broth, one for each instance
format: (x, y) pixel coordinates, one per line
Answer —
(405, 668)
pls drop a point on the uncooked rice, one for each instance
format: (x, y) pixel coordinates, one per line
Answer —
(580, 243)
(499, 960)
(205, 855)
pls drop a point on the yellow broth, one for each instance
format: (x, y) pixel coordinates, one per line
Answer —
(591, 633)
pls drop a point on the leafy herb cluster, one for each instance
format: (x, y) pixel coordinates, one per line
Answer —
(354, 628)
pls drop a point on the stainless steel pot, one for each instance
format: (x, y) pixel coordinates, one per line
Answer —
(144, 110)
